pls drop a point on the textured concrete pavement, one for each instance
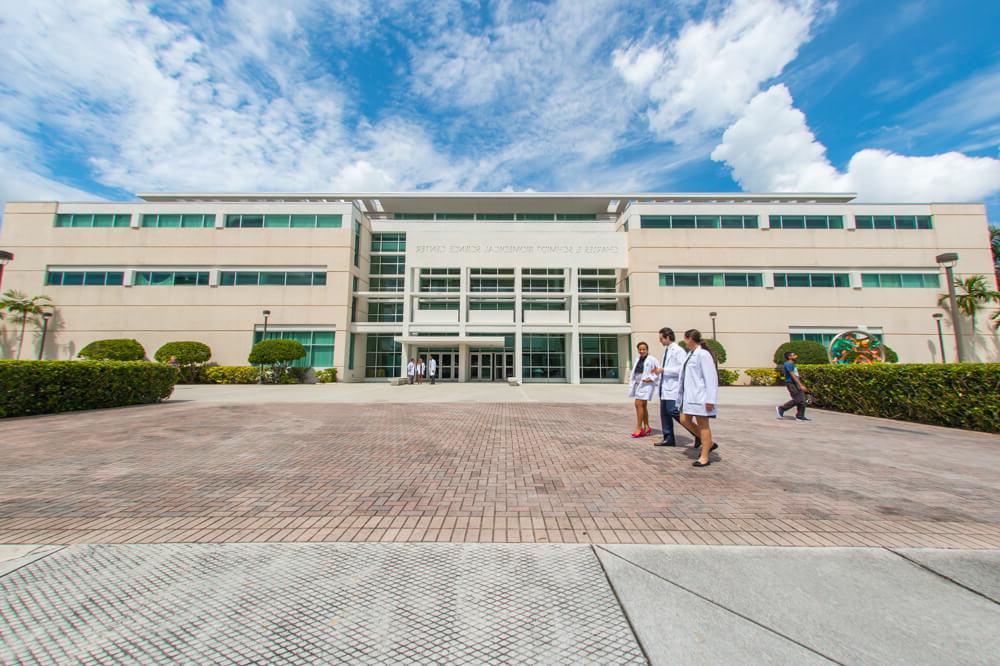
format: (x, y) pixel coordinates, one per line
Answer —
(497, 603)
(488, 472)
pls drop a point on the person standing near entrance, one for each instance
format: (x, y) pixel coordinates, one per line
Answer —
(669, 384)
(699, 390)
(432, 368)
(411, 370)
(642, 388)
(796, 389)
(421, 368)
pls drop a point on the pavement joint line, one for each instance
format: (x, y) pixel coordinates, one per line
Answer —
(723, 607)
(614, 591)
(923, 566)
(37, 559)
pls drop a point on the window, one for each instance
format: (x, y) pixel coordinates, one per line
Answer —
(543, 357)
(318, 344)
(388, 243)
(388, 264)
(482, 304)
(456, 216)
(350, 351)
(576, 217)
(440, 279)
(382, 356)
(171, 278)
(546, 280)
(807, 221)
(596, 281)
(893, 222)
(178, 221)
(812, 280)
(93, 220)
(711, 280)
(535, 217)
(271, 221)
(424, 304)
(414, 216)
(826, 337)
(385, 311)
(697, 222)
(599, 357)
(492, 280)
(385, 284)
(906, 280)
(272, 278)
(357, 244)
(598, 304)
(552, 305)
(495, 217)
(85, 278)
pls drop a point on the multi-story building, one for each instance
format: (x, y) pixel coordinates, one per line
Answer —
(543, 287)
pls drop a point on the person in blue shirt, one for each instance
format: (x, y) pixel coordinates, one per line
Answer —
(796, 389)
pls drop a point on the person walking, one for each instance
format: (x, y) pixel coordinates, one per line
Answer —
(699, 392)
(411, 370)
(642, 388)
(421, 368)
(432, 368)
(796, 389)
(668, 384)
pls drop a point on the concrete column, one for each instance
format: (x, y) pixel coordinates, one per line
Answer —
(518, 366)
(463, 363)
(573, 357)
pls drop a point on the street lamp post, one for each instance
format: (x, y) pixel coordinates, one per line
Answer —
(948, 260)
(937, 318)
(267, 313)
(712, 315)
(45, 329)
(5, 258)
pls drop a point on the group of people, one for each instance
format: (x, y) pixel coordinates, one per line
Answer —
(687, 384)
(417, 370)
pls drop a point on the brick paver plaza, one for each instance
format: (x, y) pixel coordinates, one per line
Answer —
(500, 472)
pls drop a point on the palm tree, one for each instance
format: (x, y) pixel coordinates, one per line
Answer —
(23, 309)
(973, 294)
(995, 246)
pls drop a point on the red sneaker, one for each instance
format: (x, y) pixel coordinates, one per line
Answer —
(641, 433)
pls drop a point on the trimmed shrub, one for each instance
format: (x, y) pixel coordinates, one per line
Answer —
(276, 354)
(714, 346)
(189, 356)
(228, 374)
(118, 349)
(46, 387)
(294, 376)
(326, 375)
(961, 395)
(728, 377)
(810, 353)
(763, 376)
(890, 354)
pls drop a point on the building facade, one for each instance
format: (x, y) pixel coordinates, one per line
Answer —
(542, 287)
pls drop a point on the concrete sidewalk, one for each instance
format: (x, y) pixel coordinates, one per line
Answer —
(497, 603)
(382, 392)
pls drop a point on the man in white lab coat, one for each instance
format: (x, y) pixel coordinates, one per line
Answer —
(669, 384)
(432, 368)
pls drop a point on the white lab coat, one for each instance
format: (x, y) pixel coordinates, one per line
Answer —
(411, 369)
(670, 380)
(420, 369)
(638, 388)
(700, 384)
(433, 367)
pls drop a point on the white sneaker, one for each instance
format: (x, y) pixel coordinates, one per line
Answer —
(781, 414)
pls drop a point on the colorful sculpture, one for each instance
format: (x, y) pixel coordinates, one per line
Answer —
(856, 347)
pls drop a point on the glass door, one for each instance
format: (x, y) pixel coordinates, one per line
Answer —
(481, 366)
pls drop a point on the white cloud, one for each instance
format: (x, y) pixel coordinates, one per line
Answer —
(706, 76)
(771, 149)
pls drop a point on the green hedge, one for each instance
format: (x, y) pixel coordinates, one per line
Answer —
(810, 352)
(228, 374)
(728, 377)
(116, 349)
(45, 387)
(326, 375)
(714, 346)
(764, 377)
(960, 395)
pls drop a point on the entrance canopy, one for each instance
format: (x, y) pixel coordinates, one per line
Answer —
(451, 340)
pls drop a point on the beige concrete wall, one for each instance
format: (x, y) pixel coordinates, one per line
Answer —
(222, 317)
(752, 322)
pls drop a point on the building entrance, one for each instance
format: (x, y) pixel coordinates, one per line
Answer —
(447, 362)
(490, 366)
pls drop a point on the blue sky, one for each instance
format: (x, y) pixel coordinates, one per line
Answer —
(898, 101)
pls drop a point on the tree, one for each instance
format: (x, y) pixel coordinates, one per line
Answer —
(115, 349)
(973, 293)
(277, 354)
(23, 309)
(187, 354)
(995, 247)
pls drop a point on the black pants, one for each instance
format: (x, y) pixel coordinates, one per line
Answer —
(798, 400)
(668, 414)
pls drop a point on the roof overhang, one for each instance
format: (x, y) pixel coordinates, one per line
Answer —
(450, 340)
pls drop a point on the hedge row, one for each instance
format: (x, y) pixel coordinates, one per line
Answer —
(960, 395)
(228, 374)
(46, 387)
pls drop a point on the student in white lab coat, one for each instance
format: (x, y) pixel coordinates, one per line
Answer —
(421, 369)
(642, 388)
(411, 370)
(432, 368)
(699, 393)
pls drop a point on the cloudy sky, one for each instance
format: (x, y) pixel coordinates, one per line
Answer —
(897, 101)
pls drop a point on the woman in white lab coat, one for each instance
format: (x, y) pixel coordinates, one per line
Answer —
(699, 393)
(642, 388)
